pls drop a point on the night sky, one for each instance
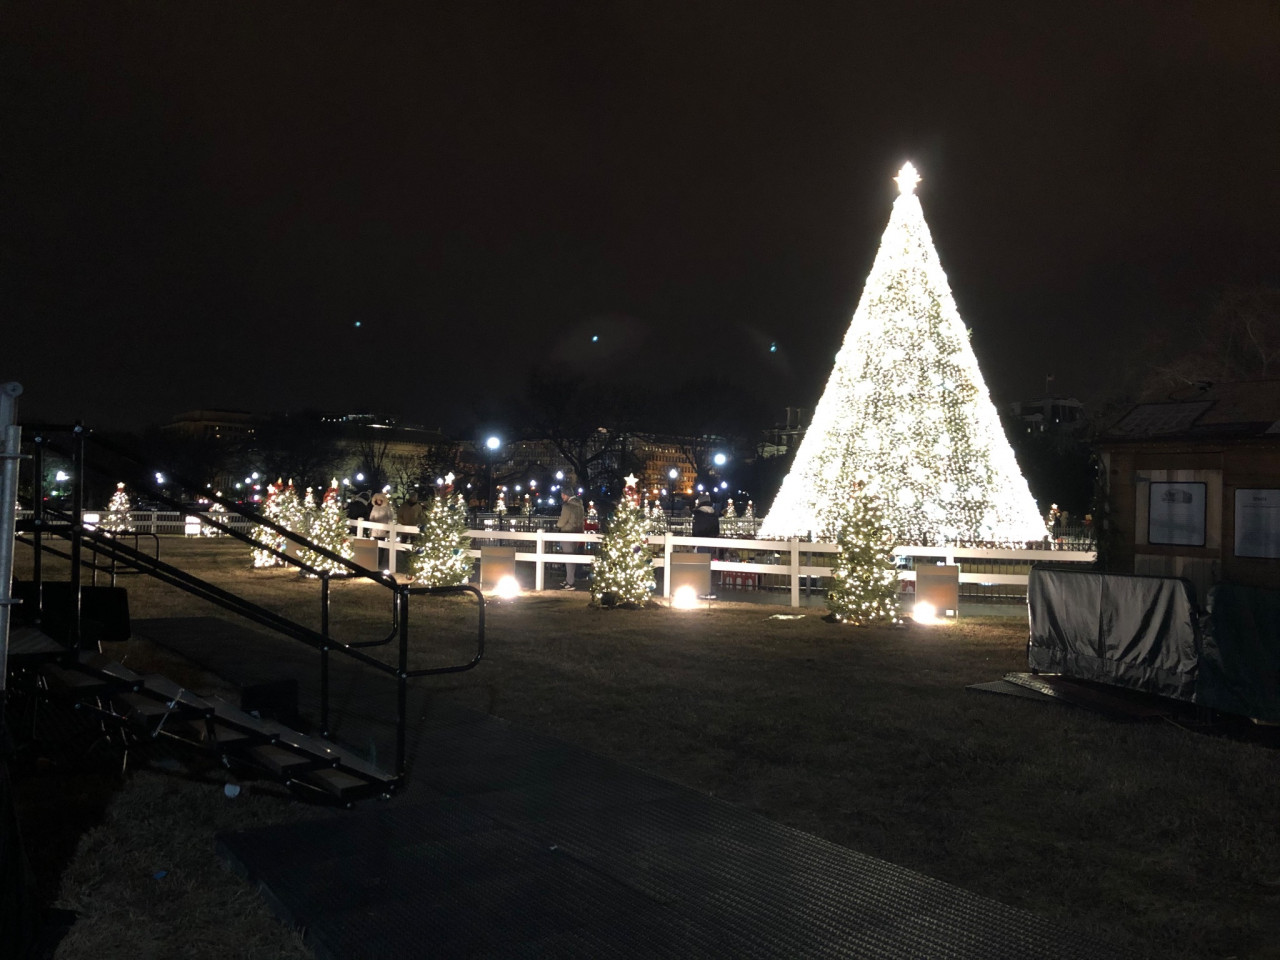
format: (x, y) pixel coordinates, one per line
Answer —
(200, 201)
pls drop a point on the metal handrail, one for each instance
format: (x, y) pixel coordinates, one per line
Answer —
(101, 542)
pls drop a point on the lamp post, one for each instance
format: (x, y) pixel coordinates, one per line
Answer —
(673, 473)
(491, 445)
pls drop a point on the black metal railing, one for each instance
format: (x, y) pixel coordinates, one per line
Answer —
(69, 525)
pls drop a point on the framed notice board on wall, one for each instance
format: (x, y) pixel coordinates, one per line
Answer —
(1257, 523)
(1176, 513)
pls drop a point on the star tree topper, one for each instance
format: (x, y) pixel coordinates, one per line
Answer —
(907, 179)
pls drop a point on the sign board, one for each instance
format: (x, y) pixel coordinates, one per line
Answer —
(1176, 514)
(1257, 523)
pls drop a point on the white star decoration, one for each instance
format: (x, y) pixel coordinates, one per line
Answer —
(630, 479)
(907, 179)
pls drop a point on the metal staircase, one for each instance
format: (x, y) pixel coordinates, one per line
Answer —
(140, 708)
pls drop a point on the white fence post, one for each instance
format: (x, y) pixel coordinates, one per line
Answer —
(795, 573)
(539, 563)
(666, 564)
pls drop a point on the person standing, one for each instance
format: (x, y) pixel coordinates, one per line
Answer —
(571, 521)
(705, 521)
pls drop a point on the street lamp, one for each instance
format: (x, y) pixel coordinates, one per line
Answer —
(673, 473)
(492, 445)
(719, 459)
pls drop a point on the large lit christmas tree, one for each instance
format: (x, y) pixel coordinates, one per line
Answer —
(906, 407)
(864, 584)
(117, 518)
(327, 527)
(440, 557)
(622, 574)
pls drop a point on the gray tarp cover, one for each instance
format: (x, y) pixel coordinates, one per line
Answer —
(1135, 632)
(1240, 666)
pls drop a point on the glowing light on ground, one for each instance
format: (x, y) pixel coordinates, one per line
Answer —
(685, 598)
(925, 612)
(507, 588)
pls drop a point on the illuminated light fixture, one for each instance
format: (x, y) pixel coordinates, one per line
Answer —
(906, 404)
(191, 526)
(493, 443)
(926, 613)
(719, 459)
(507, 589)
(685, 598)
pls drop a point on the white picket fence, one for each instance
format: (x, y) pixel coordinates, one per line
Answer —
(792, 564)
(793, 561)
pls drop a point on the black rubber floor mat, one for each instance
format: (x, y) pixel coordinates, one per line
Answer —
(533, 847)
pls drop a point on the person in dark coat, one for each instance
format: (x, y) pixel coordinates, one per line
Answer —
(705, 521)
(359, 505)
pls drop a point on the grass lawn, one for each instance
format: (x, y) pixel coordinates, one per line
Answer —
(1161, 839)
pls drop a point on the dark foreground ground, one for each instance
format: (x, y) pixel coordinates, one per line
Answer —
(1159, 835)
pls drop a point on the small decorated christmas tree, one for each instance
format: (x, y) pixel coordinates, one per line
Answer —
(623, 571)
(327, 529)
(526, 506)
(117, 518)
(656, 520)
(216, 512)
(500, 508)
(750, 512)
(266, 538)
(864, 587)
(292, 515)
(440, 557)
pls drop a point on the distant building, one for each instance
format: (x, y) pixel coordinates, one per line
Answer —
(1047, 414)
(214, 424)
(781, 439)
(1193, 486)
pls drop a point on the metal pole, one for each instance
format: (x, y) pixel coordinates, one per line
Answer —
(324, 656)
(37, 522)
(12, 444)
(402, 680)
(77, 536)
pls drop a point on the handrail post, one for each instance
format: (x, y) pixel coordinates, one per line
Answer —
(37, 517)
(402, 680)
(10, 451)
(324, 655)
(77, 534)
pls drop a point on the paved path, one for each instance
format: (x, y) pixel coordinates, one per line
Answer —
(508, 843)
